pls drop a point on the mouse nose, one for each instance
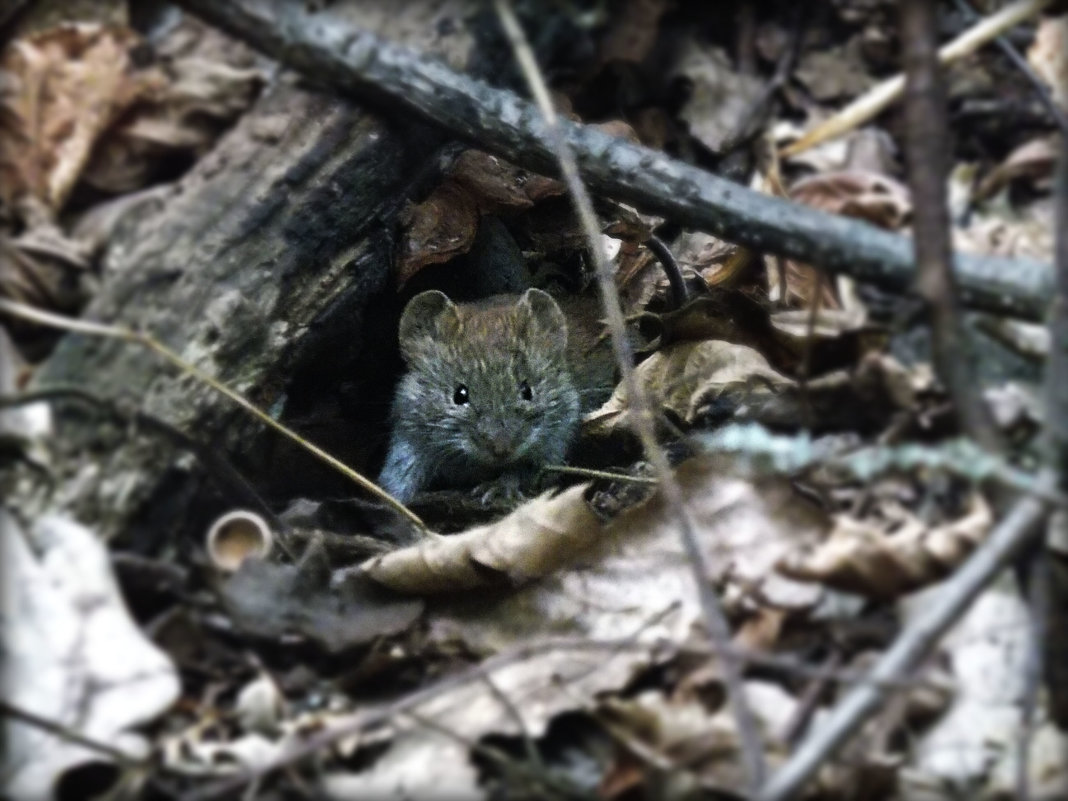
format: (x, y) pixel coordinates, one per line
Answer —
(498, 440)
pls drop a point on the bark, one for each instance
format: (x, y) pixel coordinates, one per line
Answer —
(267, 267)
(358, 62)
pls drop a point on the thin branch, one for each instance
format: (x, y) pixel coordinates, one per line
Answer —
(587, 472)
(1019, 530)
(357, 62)
(640, 410)
(926, 130)
(1041, 89)
(24, 312)
(1037, 579)
(1056, 447)
(7, 709)
(871, 103)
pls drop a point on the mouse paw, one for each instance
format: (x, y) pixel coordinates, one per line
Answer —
(507, 490)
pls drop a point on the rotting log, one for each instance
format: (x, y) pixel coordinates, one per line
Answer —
(270, 256)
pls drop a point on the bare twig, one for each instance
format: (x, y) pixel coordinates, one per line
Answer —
(1041, 89)
(358, 62)
(587, 472)
(1037, 579)
(24, 312)
(1056, 445)
(1013, 535)
(529, 746)
(7, 709)
(925, 140)
(679, 293)
(868, 105)
(640, 411)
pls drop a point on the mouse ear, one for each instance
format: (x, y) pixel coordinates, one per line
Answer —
(540, 317)
(425, 316)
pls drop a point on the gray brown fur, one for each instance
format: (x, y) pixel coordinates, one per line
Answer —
(491, 347)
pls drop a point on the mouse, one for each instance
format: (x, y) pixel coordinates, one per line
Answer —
(488, 395)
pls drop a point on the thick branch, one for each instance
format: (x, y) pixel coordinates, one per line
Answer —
(358, 62)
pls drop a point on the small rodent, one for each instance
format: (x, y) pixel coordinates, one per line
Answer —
(488, 392)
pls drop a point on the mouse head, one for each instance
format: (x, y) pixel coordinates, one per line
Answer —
(536, 319)
(488, 383)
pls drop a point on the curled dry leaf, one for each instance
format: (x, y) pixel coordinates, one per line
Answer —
(72, 655)
(628, 581)
(715, 381)
(61, 90)
(1028, 234)
(616, 572)
(534, 540)
(446, 223)
(719, 263)
(865, 195)
(1033, 160)
(43, 268)
(499, 185)
(862, 556)
(442, 226)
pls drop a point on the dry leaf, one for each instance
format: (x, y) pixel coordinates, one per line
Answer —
(687, 737)
(720, 95)
(835, 73)
(533, 541)
(1027, 233)
(185, 116)
(878, 199)
(1048, 56)
(875, 198)
(1033, 160)
(498, 185)
(337, 611)
(72, 655)
(865, 557)
(989, 651)
(442, 226)
(719, 263)
(61, 90)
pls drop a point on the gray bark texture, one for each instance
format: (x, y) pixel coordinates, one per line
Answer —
(269, 260)
(358, 61)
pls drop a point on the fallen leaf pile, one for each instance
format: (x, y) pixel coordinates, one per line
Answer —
(555, 640)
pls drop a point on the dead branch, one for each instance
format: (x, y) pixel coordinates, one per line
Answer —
(1012, 536)
(1056, 433)
(925, 144)
(358, 62)
(641, 409)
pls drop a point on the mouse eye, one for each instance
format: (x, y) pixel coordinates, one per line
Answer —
(525, 392)
(460, 396)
